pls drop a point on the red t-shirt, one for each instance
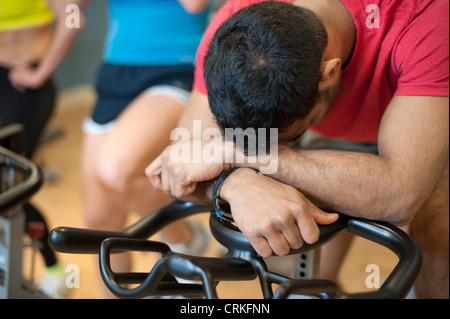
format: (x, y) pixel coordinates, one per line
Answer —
(402, 48)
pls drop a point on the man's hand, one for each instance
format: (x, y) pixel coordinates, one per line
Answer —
(273, 216)
(178, 169)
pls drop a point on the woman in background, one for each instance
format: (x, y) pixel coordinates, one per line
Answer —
(34, 39)
(142, 88)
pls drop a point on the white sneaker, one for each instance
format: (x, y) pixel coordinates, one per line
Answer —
(53, 284)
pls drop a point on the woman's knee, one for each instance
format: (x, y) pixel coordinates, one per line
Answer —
(116, 171)
(92, 220)
(101, 219)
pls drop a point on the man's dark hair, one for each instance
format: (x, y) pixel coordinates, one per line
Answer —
(262, 67)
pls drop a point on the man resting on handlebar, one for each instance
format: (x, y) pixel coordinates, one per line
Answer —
(365, 72)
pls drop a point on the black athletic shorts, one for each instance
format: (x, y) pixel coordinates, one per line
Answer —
(118, 85)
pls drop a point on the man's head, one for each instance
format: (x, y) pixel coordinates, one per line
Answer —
(264, 66)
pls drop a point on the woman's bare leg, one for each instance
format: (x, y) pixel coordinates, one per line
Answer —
(141, 133)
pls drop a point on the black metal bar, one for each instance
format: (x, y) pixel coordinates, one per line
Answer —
(79, 240)
(21, 192)
(401, 279)
(241, 261)
(87, 241)
(162, 217)
(12, 137)
(306, 286)
(206, 269)
(230, 236)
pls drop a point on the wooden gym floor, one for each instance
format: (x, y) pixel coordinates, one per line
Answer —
(60, 202)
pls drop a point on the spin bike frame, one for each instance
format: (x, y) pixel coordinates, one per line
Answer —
(20, 178)
(239, 264)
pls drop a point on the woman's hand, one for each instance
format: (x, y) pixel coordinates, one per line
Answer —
(23, 77)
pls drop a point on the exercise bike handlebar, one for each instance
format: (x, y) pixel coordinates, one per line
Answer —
(398, 283)
(401, 279)
(242, 262)
(73, 240)
(12, 136)
(87, 241)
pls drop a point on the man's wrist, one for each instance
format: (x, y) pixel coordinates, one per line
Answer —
(232, 181)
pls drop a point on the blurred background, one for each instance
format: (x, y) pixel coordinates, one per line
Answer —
(81, 65)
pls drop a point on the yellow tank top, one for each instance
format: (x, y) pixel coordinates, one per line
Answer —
(17, 14)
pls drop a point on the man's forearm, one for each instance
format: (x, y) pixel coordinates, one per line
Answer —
(357, 184)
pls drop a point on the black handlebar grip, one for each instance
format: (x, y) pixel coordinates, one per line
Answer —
(80, 241)
(87, 241)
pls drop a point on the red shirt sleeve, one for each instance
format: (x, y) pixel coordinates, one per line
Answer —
(421, 56)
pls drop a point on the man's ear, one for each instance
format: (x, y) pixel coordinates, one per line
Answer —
(329, 69)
